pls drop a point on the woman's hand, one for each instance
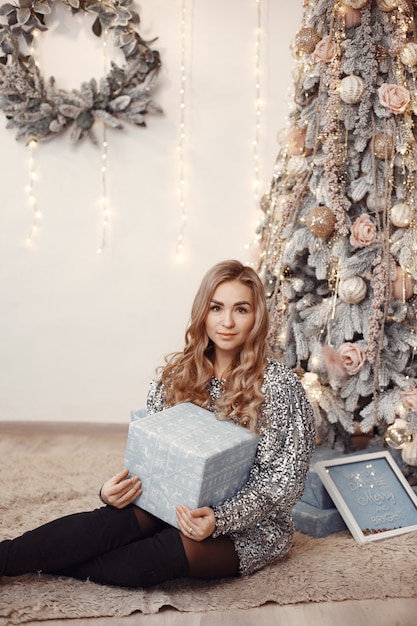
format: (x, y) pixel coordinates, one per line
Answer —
(119, 491)
(197, 524)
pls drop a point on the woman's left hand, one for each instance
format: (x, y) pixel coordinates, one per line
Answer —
(197, 524)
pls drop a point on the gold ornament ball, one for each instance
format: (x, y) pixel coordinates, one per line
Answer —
(352, 290)
(351, 89)
(306, 40)
(265, 202)
(408, 54)
(295, 141)
(401, 215)
(297, 166)
(396, 435)
(321, 221)
(375, 202)
(383, 146)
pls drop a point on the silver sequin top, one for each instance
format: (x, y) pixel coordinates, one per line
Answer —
(258, 517)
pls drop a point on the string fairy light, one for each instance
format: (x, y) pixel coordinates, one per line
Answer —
(258, 103)
(104, 200)
(258, 114)
(33, 203)
(32, 147)
(182, 135)
(105, 210)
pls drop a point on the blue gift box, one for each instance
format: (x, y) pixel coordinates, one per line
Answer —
(185, 455)
(315, 493)
(315, 522)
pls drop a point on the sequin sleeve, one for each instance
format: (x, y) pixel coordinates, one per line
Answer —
(155, 401)
(286, 442)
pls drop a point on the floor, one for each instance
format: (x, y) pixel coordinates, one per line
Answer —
(43, 437)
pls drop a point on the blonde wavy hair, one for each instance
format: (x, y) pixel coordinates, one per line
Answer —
(186, 375)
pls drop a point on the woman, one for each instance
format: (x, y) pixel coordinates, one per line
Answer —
(225, 367)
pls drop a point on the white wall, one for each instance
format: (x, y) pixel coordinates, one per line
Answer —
(82, 333)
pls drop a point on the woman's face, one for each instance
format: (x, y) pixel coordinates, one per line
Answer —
(230, 318)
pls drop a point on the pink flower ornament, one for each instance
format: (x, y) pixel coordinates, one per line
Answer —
(325, 50)
(363, 232)
(353, 357)
(394, 97)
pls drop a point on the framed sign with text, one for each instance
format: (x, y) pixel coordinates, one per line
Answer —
(371, 494)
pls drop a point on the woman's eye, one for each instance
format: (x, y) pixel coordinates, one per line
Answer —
(214, 307)
(242, 310)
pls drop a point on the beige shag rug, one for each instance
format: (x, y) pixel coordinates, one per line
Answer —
(39, 488)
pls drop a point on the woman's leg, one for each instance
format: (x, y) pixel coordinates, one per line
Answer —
(160, 558)
(74, 539)
(211, 558)
(117, 547)
(143, 563)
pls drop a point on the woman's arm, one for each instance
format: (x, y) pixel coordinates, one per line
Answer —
(276, 480)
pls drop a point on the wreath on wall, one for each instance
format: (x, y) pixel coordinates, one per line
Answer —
(39, 109)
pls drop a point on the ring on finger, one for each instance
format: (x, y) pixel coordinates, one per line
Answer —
(190, 531)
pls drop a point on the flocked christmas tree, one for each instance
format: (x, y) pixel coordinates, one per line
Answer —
(339, 237)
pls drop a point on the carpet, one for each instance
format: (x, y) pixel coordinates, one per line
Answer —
(38, 488)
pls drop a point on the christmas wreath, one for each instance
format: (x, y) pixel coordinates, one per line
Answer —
(39, 109)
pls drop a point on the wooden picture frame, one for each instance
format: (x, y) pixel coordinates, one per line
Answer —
(371, 494)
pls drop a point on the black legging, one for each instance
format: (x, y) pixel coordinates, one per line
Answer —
(127, 547)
